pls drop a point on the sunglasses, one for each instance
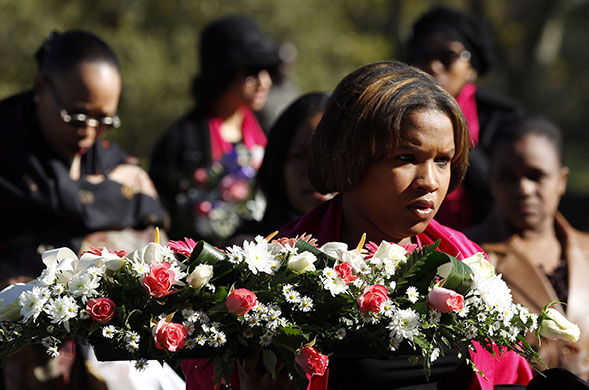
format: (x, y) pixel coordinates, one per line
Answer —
(446, 56)
(79, 120)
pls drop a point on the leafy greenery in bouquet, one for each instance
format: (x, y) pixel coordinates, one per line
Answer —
(297, 303)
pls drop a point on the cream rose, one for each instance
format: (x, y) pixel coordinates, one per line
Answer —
(554, 325)
(201, 275)
(303, 262)
(480, 266)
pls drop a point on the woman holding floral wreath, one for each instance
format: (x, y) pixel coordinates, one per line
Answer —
(392, 142)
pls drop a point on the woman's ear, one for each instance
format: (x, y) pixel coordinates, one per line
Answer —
(564, 175)
(472, 75)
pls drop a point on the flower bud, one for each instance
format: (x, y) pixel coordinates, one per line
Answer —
(445, 300)
(302, 262)
(201, 275)
(480, 266)
(554, 325)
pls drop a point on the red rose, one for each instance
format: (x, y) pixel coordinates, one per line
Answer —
(311, 361)
(160, 279)
(344, 270)
(445, 300)
(101, 310)
(372, 297)
(241, 301)
(169, 335)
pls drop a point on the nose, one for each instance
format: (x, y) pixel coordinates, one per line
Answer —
(426, 178)
(525, 186)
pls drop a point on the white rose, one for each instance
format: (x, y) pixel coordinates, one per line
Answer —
(393, 252)
(555, 326)
(201, 275)
(480, 266)
(302, 262)
(334, 249)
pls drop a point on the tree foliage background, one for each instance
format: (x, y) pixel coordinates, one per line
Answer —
(540, 47)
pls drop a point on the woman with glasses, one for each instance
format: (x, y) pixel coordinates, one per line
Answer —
(61, 185)
(204, 165)
(455, 48)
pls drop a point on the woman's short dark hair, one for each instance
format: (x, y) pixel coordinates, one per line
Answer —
(364, 118)
(518, 126)
(60, 52)
(270, 178)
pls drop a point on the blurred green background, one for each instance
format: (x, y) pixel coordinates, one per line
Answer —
(540, 45)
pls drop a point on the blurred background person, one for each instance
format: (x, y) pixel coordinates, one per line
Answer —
(282, 177)
(61, 185)
(542, 258)
(456, 49)
(204, 165)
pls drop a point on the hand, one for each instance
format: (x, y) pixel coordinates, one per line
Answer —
(135, 178)
(253, 375)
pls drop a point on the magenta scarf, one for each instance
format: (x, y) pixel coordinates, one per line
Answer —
(252, 133)
(324, 223)
(466, 99)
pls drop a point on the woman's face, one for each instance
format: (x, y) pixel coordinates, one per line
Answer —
(92, 89)
(527, 180)
(400, 195)
(448, 62)
(253, 88)
(301, 194)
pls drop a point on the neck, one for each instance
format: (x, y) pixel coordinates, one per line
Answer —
(355, 223)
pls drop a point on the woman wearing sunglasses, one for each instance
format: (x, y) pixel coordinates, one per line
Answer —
(61, 186)
(204, 165)
(58, 181)
(455, 48)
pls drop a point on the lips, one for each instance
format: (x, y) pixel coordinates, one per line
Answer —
(422, 209)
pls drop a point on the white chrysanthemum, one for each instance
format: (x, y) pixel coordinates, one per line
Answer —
(132, 336)
(257, 257)
(189, 326)
(235, 254)
(201, 339)
(494, 291)
(412, 294)
(393, 286)
(190, 343)
(306, 304)
(394, 343)
(58, 289)
(109, 331)
(97, 272)
(47, 341)
(132, 346)
(53, 351)
(187, 313)
(371, 317)
(434, 355)
(141, 364)
(266, 339)
(202, 317)
(62, 309)
(248, 333)
(287, 288)
(341, 333)
(463, 312)
(253, 320)
(218, 339)
(293, 296)
(389, 267)
(404, 324)
(481, 317)
(434, 317)
(387, 308)
(329, 273)
(83, 314)
(141, 268)
(47, 277)
(168, 254)
(85, 285)
(32, 302)
(335, 285)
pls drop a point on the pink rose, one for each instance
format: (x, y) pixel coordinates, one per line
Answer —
(445, 300)
(102, 310)
(311, 361)
(344, 270)
(372, 297)
(160, 279)
(241, 301)
(169, 335)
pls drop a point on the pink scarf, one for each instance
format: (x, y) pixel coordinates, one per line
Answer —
(252, 133)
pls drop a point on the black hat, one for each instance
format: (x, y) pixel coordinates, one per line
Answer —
(233, 43)
(456, 26)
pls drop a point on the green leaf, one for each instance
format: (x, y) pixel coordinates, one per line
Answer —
(270, 360)
(457, 276)
(205, 253)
